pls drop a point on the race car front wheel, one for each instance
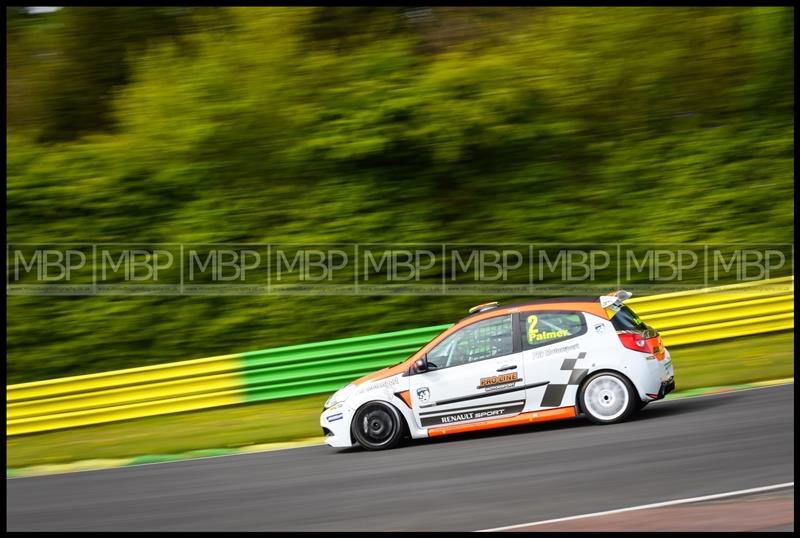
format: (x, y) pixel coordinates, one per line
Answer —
(607, 398)
(377, 426)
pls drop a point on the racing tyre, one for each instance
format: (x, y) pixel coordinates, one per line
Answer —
(607, 398)
(377, 426)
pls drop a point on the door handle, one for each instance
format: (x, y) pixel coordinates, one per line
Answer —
(509, 367)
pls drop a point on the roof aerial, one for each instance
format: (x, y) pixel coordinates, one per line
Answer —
(482, 307)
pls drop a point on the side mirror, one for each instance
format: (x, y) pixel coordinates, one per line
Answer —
(421, 364)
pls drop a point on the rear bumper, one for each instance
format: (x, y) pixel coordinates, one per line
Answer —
(665, 388)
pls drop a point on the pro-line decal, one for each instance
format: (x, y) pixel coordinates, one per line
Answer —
(497, 382)
(465, 414)
(487, 394)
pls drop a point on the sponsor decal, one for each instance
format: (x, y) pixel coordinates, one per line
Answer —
(423, 394)
(486, 394)
(469, 415)
(335, 417)
(496, 382)
(394, 380)
(472, 414)
(600, 328)
(547, 352)
(562, 349)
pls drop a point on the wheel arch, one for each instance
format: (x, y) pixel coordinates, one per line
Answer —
(589, 375)
(404, 419)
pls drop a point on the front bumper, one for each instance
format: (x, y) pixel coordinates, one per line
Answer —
(335, 423)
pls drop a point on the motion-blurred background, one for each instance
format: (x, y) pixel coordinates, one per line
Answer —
(428, 126)
(375, 125)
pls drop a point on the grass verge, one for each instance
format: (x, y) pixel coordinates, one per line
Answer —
(730, 362)
(727, 362)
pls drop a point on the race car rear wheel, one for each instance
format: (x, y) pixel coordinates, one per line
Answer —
(377, 426)
(607, 397)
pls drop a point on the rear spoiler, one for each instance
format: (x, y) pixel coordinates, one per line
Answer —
(615, 298)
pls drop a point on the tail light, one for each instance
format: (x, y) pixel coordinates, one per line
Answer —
(638, 342)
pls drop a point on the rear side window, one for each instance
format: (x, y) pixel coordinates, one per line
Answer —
(625, 319)
(545, 328)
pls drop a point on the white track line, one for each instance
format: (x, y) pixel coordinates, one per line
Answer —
(645, 506)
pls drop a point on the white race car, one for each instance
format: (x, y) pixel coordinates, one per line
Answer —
(509, 365)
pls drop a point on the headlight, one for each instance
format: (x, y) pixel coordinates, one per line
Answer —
(339, 396)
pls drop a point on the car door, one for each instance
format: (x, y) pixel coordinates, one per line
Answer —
(555, 347)
(475, 374)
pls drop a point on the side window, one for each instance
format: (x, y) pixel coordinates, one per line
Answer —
(543, 328)
(476, 342)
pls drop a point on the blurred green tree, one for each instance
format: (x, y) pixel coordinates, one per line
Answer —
(369, 124)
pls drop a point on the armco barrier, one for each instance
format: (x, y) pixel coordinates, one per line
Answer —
(694, 316)
(682, 318)
(183, 386)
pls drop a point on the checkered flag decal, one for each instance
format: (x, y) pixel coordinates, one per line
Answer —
(554, 393)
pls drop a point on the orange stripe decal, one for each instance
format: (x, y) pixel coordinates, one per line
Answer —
(386, 372)
(406, 397)
(523, 418)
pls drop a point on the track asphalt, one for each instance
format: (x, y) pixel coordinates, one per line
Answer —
(673, 449)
